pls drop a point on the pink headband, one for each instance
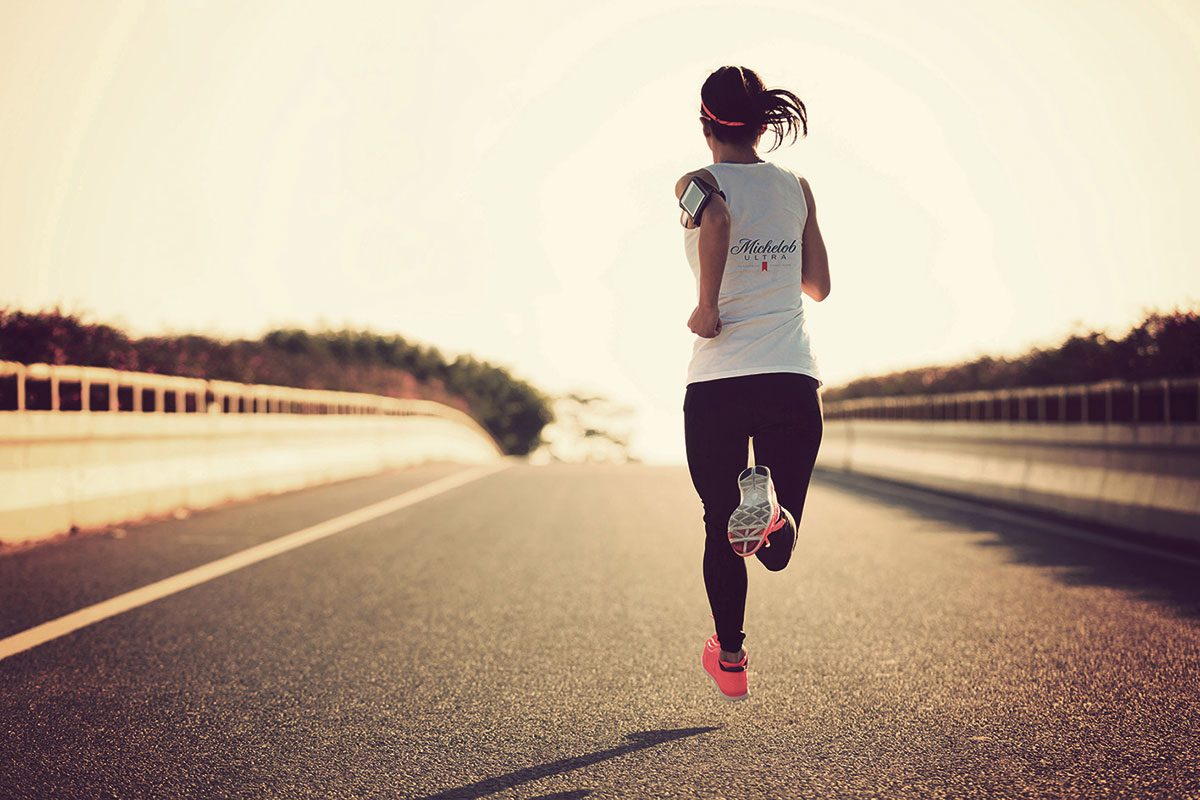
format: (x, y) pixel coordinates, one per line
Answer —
(704, 110)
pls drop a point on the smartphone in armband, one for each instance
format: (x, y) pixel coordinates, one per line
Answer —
(695, 199)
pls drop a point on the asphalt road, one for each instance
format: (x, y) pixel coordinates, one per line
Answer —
(537, 634)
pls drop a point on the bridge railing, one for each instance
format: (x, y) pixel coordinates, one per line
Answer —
(1114, 454)
(66, 387)
(1154, 402)
(89, 447)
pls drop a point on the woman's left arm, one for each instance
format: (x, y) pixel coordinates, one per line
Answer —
(815, 271)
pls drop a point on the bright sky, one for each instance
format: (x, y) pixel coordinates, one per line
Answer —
(496, 178)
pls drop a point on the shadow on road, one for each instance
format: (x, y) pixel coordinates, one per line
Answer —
(1077, 562)
(639, 741)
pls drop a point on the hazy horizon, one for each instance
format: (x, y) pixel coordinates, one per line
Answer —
(1076, 326)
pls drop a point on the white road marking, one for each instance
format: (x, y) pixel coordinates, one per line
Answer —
(48, 631)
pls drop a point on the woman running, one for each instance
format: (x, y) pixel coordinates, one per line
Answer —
(755, 249)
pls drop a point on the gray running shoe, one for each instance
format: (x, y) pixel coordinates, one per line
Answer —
(758, 515)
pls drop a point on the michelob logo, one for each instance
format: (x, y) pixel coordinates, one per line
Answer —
(754, 247)
(754, 250)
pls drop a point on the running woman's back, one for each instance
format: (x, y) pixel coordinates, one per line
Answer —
(761, 301)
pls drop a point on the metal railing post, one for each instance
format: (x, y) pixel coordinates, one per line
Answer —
(1166, 387)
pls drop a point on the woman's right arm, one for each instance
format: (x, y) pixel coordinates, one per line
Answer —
(713, 245)
(814, 279)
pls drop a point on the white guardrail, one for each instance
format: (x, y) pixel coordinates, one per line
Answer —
(1158, 401)
(88, 447)
(1120, 454)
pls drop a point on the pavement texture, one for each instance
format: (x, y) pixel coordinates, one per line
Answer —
(537, 634)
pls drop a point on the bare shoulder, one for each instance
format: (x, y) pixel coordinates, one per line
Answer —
(702, 174)
(808, 194)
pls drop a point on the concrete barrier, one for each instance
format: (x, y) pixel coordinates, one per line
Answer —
(60, 470)
(84, 468)
(1143, 478)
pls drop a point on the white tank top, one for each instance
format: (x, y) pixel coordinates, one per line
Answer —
(761, 305)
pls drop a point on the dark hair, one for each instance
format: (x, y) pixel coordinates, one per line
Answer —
(737, 94)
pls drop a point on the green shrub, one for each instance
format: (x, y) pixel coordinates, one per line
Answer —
(1163, 345)
(513, 411)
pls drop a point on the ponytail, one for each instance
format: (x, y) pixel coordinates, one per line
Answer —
(784, 113)
(737, 105)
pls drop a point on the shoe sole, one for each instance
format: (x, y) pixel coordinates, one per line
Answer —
(749, 521)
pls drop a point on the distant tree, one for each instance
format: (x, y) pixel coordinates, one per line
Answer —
(1163, 345)
(587, 428)
(52, 337)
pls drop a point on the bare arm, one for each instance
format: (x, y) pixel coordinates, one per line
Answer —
(714, 250)
(815, 273)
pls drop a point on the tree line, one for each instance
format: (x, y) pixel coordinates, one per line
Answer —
(512, 410)
(1163, 345)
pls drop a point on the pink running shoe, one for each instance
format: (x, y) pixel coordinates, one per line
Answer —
(730, 678)
(758, 515)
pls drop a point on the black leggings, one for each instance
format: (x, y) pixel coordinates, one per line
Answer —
(782, 411)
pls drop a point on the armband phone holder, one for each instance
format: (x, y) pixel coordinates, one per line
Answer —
(695, 199)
